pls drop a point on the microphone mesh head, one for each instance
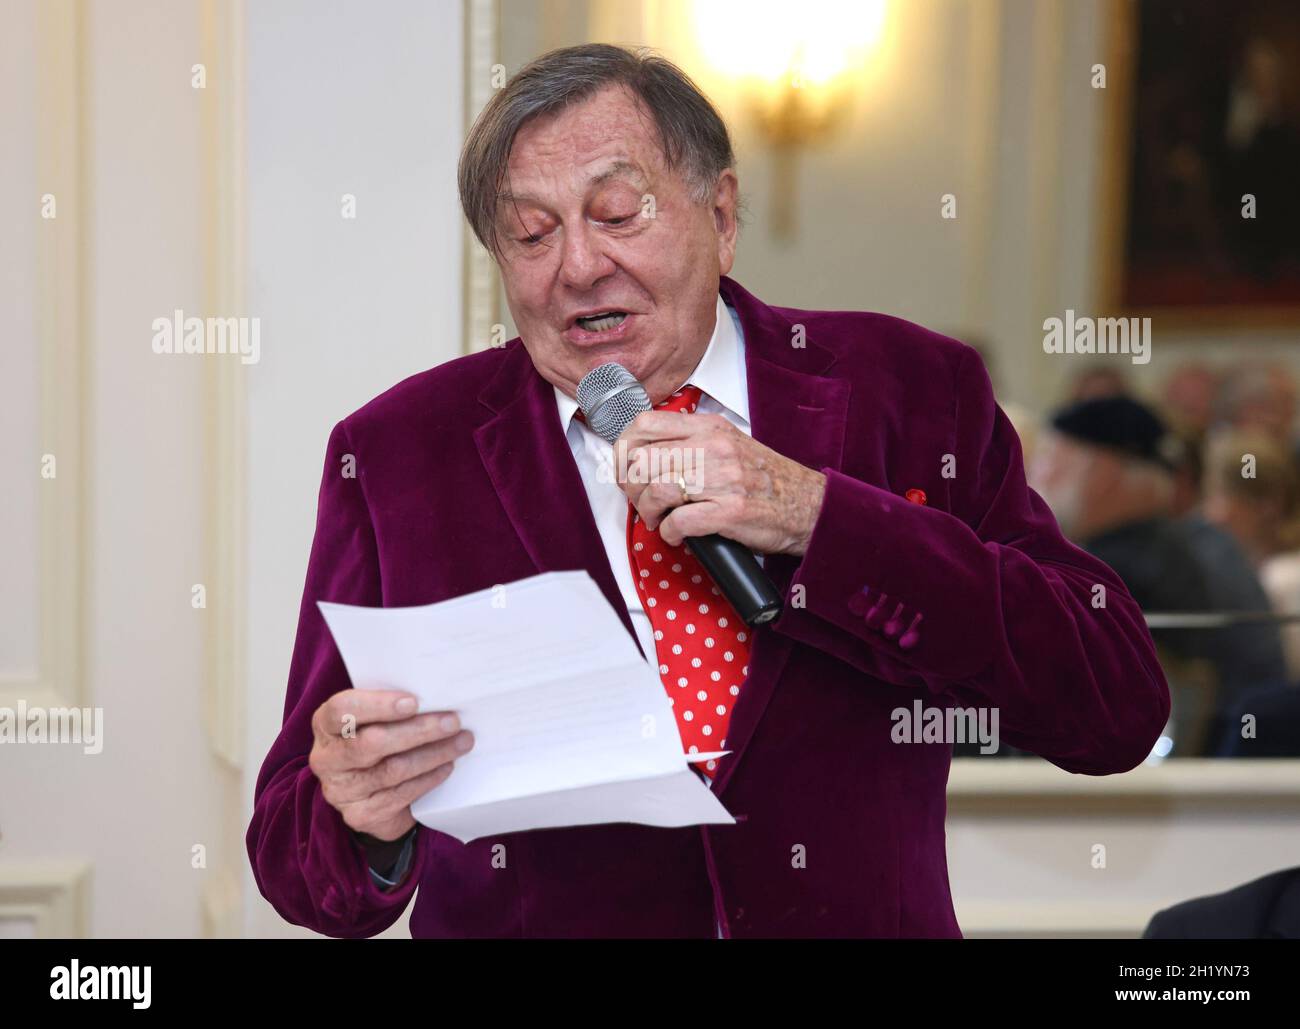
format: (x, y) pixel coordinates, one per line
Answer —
(610, 398)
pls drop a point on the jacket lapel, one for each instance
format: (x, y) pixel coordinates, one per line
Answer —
(532, 469)
(796, 411)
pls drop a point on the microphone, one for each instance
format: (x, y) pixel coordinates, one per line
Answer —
(611, 397)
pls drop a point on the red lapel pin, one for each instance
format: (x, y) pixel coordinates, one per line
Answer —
(916, 496)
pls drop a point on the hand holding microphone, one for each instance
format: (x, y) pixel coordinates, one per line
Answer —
(752, 498)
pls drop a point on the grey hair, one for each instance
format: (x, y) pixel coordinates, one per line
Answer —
(692, 134)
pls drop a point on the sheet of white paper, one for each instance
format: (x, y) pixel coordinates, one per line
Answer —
(571, 726)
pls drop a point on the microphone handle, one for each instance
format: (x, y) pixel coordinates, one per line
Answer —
(737, 573)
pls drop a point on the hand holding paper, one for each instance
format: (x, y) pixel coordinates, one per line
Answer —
(571, 726)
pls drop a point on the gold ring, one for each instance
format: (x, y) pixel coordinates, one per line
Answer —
(681, 485)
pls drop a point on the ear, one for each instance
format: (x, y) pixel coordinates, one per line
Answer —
(725, 194)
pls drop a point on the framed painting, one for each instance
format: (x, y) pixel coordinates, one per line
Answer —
(1201, 161)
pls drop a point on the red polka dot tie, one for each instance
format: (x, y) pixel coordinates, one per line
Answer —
(701, 643)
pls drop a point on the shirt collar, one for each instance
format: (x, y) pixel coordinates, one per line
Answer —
(720, 373)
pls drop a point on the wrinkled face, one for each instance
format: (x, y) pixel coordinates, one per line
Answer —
(1062, 472)
(604, 254)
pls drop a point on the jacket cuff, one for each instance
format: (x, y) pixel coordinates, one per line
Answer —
(352, 892)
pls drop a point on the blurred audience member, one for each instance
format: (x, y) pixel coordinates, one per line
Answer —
(1100, 469)
(1094, 383)
(1188, 399)
(1188, 406)
(1107, 469)
(1252, 491)
(1188, 477)
(1263, 909)
(1259, 396)
(1281, 578)
(1265, 723)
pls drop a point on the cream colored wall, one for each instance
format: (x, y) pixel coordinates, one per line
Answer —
(181, 470)
(102, 844)
(362, 99)
(20, 359)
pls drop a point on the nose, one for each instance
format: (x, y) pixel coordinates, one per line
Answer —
(583, 261)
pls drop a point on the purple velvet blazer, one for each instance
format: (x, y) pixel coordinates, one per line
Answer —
(973, 599)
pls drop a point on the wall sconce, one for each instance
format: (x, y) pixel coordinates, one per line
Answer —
(796, 65)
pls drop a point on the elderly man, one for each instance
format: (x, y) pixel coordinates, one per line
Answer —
(1106, 467)
(861, 456)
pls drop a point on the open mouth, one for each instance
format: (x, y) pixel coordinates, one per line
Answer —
(602, 322)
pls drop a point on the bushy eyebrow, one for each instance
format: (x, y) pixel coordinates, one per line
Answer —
(618, 168)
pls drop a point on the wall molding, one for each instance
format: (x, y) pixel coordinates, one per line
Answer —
(53, 895)
(1045, 196)
(223, 138)
(61, 284)
(990, 783)
(983, 85)
(221, 909)
(1023, 919)
(479, 272)
(224, 130)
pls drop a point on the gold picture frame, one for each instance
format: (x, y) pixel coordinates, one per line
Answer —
(1119, 194)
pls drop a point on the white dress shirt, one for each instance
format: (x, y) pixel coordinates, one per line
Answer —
(721, 377)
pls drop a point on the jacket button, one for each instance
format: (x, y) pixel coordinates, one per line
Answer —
(858, 602)
(876, 616)
(916, 496)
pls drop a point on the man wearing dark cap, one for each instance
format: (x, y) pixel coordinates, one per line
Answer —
(1107, 469)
